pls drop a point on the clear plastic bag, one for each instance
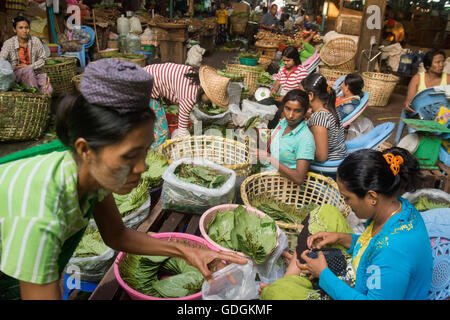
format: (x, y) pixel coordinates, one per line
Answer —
(190, 198)
(93, 269)
(7, 76)
(220, 119)
(359, 127)
(234, 92)
(256, 109)
(431, 194)
(234, 282)
(238, 117)
(134, 219)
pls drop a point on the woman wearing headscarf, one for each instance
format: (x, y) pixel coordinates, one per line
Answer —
(48, 199)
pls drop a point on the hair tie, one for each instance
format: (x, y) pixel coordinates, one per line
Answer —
(394, 162)
(328, 89)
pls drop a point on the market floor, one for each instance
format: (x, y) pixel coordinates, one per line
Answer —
(219, 60)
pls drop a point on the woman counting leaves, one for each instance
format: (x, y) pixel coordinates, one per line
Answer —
(392, 258)
(47, 199)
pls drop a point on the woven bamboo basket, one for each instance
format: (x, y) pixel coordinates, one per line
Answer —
(339, 53)
(264, 62)
(250, 74)
(267, 44)
(23, 116)
(332, 74)
(379, 86)
(61, 75)
(316, 189)
(77, 81)
(229, 153)
(238, 24)
(140, 59)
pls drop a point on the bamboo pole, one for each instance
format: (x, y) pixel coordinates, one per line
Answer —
(95, 30)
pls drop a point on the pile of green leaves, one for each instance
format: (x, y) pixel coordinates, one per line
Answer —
(424, 204)
(265, 78)
(50, 62)
(212, 109)
(234, 77)
(172, 109)
(280, 211)
(201, 175)
(91, 245)
(243, 232)
(251, 122)
(222, 130)
(249, 55)
(144, 274)
(156, 165)
(21, 87)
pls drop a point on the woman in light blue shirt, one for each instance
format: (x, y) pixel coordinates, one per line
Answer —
(392, 258)
(291, 143)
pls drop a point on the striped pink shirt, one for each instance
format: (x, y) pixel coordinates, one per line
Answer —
(170, 83)
(292, 81)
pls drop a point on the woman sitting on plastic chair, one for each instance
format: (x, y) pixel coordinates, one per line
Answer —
(351, 94)
(324, 122)
(434, 75)
(67, 39)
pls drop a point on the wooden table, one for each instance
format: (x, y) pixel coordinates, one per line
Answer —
(158, 220)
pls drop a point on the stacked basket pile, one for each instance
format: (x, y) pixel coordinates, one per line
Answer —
(379, 86)
(339, 54)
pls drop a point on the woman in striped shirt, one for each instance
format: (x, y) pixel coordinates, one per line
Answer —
(324, 122)
(288, 78)
(48, 199)
(180, 84)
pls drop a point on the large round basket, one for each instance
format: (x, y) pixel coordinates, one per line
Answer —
(139, 59)
(61, 75)
(339, 53)
(209, 215)
(231, 154)
(23, 116)
(316, 189)
(187, 239)
(379, 86)
(332, 74)
(77, 81)
(250, 74)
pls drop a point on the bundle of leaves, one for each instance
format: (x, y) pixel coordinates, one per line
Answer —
(249, 55)
(148, 275)
(281, 211)
(243, 232)
(21, 87)
(424, 204)
(172, 109)
(201, 175)
(91, 244)
(234, 77)
(49, 62)
(265, 78)
(212, 109)
(156, 165)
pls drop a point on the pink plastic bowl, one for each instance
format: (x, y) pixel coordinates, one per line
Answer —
(135, 295)
(207, 217)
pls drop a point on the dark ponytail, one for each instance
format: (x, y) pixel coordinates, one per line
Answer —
(355, 84)
(100, 126)
(318, 85)
(367, 169)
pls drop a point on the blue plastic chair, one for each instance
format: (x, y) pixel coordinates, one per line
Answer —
(438, 227)
(363, 103)
(370, 140)
(87, 35)
(427, 104)
(84, 286)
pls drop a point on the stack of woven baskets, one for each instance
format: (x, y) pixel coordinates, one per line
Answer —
(339, 54)
(61, 74)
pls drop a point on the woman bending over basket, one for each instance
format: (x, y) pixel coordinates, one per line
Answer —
(48, 199)
(324, 122)
(391, 259)
(291, 144)
(186, 86)
(26, 55)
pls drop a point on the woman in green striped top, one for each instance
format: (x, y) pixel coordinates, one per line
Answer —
(47, 199)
